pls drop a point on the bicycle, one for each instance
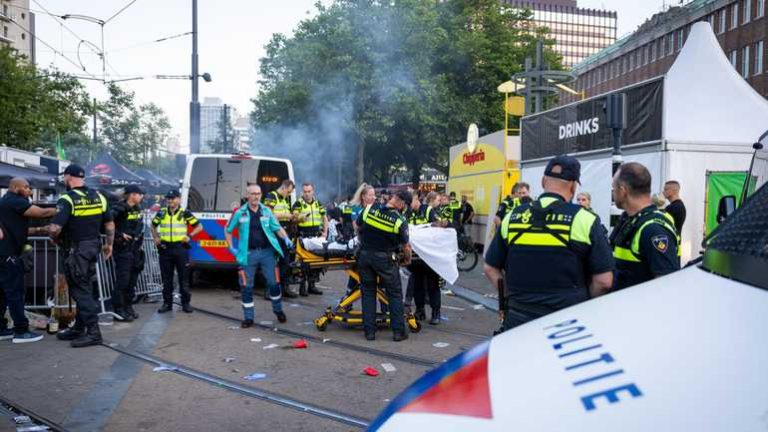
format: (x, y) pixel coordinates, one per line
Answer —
(467, 257)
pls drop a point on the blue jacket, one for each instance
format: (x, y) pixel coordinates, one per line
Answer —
(241, 219)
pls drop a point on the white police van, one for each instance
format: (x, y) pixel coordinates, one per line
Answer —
(685, 352)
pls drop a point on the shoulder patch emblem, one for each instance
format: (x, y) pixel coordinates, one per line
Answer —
(661, 243)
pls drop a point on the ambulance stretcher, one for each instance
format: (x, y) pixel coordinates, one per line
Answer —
(307, 261)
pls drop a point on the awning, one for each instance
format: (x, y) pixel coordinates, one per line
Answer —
(37, 179)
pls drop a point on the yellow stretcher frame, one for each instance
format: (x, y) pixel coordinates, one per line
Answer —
(343, 312)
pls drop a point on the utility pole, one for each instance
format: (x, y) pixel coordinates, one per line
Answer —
(225, 127)
(95, 130)
(194, 106)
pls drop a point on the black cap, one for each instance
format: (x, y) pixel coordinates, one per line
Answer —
(452, 194)
(404, 195)
(74, 170)
(570, 168)
(134, 189)
(173, 193)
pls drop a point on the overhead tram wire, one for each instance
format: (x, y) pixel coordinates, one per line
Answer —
(141, 44)
(61, 22)
(119, 12)
(55, 50)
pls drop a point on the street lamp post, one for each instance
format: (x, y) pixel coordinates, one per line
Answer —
(194, 105)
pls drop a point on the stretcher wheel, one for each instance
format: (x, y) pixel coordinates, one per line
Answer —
(321, 323)
(414, 325)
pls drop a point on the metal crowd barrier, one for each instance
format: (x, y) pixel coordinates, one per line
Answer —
(44, 281)
(150, 281)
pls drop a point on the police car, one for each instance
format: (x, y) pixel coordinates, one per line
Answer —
(685, 352)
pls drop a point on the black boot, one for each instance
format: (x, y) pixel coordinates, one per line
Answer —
(314, 290)
(420, 314)
(129, 310)
(71, 333)
(303, 289)
(91, 337)
(435, 320)
(166, 307)
(122, 315)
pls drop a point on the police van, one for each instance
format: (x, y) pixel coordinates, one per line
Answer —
(214, 186)
(684, 352)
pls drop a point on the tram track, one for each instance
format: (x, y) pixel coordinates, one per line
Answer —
(248, 391)
(37, 421)
(418, 361)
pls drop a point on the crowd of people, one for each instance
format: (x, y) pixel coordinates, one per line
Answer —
(547, 253)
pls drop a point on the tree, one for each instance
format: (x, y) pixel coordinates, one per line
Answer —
(154, 129)
(36, 104)
(394, 83)
(132, 135)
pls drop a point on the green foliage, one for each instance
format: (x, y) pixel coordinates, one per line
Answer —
(397, 82)
(37, 103)
(132, 134)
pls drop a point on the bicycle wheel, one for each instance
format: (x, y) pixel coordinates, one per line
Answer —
(467, 258)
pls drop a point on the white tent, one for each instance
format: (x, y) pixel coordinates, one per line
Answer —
(710, 117)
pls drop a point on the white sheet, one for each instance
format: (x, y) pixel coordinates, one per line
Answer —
(438, 248)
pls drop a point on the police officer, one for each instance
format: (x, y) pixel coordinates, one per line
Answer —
(81, 212)
(452, 211)
(129, 262)
(645, 242)
(553, 254)
(383, 231)
(423, 281)
(279, 201)
(312, 223)
(169, 230)
(520, 194)
(346, 229)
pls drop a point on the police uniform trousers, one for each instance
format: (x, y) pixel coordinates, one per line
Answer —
(517, 314)
(174, 257)
(425, 283)
(372, 264)
(79, 269)
(126, 258)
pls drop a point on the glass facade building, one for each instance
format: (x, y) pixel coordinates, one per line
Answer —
(578, 33)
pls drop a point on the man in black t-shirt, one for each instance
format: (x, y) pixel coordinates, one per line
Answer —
(15, 211)
(676, 208)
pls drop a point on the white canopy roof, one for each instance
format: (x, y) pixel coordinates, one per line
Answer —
(706, 101)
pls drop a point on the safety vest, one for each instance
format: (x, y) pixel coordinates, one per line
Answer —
(510, 204)
(387, 222)
(173, 227)
(547, 242)
(448, 212)
(313, 213)
(346, 210)
(626, 240)
(86, 203)
(422, 217)
(277, 202)
(88, 207)
(132, 223)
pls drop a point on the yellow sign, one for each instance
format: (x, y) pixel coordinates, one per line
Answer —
(213, 243)
(516, 106)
